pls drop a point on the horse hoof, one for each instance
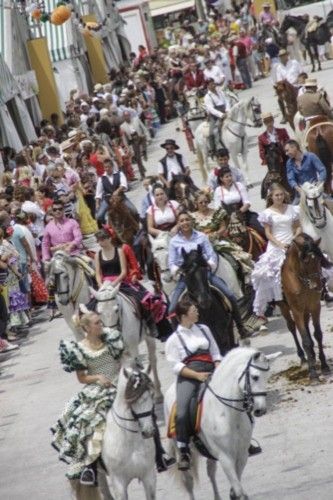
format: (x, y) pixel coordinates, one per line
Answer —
(325, 370)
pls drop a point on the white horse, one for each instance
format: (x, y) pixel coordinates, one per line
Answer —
(236, 393)
(160, 250)
(116, 310)
(71, 287)
(128, 447)
(233, 134)
(315, 218)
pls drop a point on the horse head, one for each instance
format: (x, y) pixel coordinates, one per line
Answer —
(195, 269)
(180, 190)
(308, 259)
(253, 111)
(107, 304)
(159, 248)
(273, 156)
(312, 204)
(137, 389)
(61, 271)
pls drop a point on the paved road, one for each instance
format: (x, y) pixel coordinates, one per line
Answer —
(296, 434)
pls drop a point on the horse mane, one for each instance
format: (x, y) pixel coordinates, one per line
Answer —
(193, 257)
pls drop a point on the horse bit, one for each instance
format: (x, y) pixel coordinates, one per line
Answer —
(248, 399)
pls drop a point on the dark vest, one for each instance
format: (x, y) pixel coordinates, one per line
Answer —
(180, 162)
(108, 188)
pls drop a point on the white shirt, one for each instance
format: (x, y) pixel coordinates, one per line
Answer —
(166, 216)
(39, 170)
(236, 194)
(215, 73)
(289, 72)
(237, 176)
(173, 167)
(99, 187)
(30, 207)
(213, 99)
(194, 339)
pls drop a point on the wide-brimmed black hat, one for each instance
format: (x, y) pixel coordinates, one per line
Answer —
(170, 142)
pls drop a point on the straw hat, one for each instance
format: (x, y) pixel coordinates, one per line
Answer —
(98, 87)
(311, 82)
(170, 142)
(266, 4)
(267, 116)
(283, 52)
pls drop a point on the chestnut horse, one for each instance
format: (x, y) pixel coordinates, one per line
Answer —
(287, 98)
(319, 140)
(276, 165)
(301, 280)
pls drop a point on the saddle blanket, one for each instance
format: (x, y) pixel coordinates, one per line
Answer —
(195, 416)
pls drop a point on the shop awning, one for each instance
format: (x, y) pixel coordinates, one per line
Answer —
(58, 38)
(162, 7)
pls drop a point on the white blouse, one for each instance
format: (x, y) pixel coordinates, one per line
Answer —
(166, 216)
(194, 339)
(236, 194)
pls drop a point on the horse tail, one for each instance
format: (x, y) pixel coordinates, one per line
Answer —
(325, 155)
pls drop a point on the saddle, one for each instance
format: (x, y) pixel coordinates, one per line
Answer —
(86, 264)
(195, 415)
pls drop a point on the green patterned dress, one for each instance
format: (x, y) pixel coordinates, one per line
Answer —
(211, 223)
(79, 431)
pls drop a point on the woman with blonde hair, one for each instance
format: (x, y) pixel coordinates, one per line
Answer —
(281, 223)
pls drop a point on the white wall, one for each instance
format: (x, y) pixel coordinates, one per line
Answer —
(134, 29)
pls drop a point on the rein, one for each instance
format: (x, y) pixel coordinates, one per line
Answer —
(136, 418)
(248, 399)
(76, 294)
(307, 280)
(313, 219)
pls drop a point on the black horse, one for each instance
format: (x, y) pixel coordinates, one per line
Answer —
(213, 311)
(310, 40)
(276, 165)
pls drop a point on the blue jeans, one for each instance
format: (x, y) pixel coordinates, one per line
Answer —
(215, 281)
(244, 72)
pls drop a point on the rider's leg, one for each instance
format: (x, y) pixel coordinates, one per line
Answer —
(180, 287)
(186, 387)
(282, 109)
(101, 212)
(212, 145)
(223, 287)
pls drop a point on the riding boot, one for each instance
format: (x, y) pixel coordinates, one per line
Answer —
(212, 151)
(325, 294)
(184, 462)
(162, 460)
(243, 331)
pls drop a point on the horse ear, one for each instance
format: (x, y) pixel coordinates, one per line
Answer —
(199, 249)
(127, 372)
(147, 369)
(256, 356)
(184, 252)
(92, 291)
(317, 242)
(272, 357)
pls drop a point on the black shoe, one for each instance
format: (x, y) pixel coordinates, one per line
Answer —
(244, 332)
(254, 450)
(88, 477)
(165, 463)
(184, 462)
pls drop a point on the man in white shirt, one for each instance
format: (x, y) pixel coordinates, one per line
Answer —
(287, 69)
(212, 71)
(137, 136)
(172, 163)
(111, 183)
(216, 105)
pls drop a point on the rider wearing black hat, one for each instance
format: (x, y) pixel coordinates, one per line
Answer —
(172, 163)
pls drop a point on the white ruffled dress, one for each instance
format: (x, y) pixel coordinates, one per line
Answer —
(266, 275)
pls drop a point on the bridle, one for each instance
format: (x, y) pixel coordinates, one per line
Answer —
(309, 278)
(256, 110)
(111, 299)
(247, 401)
(136, 416)
(71, 298)
(313, 219)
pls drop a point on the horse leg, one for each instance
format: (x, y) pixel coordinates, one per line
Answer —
(292, 328)
(117, 487)
(229, 468)
(318, 335)
(211, 473)
(103, 484)
(149, 484)
(306, 342)
(151, 345)
(309, 48)
(188, 482)
(307, 326)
